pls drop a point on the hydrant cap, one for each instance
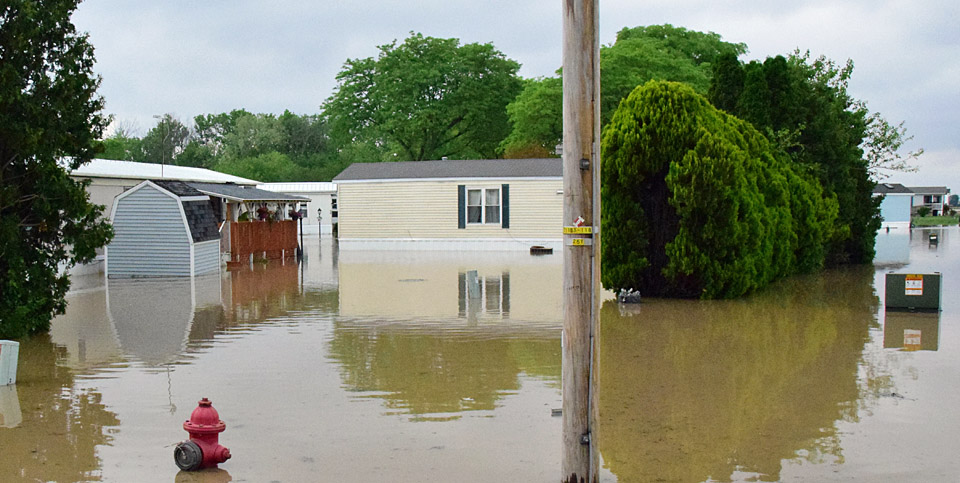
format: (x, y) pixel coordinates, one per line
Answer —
(204, 418)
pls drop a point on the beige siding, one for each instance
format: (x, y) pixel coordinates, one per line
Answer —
(103, 191)
(428, 209)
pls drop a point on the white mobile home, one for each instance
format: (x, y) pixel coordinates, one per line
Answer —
(497, 204)
(163, 229)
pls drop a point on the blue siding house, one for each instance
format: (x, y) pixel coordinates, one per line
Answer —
(896, 205)
(163, 229)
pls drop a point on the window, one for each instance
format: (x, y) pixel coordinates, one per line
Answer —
(483, 206)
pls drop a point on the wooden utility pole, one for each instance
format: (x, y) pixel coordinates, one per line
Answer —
(581, 236)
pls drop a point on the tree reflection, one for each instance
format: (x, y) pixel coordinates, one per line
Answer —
(424, 371)
(62, 425)
(690, 391)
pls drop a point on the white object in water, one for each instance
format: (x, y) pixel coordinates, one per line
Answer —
(9, 352)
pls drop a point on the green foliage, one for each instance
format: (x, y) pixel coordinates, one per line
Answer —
(537, 118)
(165, 141)
(49, 120)
(696, 203)
(950, 219)
(424, 99)
(802, 105)
(121, 146)
(640, 54)
(923, 211)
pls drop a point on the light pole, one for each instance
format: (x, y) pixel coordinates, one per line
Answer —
(163, 143)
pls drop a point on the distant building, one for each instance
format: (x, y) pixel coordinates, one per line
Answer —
(321, 209)
(933, 197)
(896, 207)
(495, 205)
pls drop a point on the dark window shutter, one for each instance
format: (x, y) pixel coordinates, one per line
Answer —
(505, 206)
(461, 206)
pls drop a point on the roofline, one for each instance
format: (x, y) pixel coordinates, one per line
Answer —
(474, 179)
(185, 180)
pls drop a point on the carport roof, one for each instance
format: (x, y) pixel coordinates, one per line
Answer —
(234, 192)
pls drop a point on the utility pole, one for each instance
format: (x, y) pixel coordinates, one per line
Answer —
(581, 237)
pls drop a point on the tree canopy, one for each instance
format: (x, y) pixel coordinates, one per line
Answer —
(802, 105)
(660, 52)
(425, 98)
(50, 119)
(696, 203)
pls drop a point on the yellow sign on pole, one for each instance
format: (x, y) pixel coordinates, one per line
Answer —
(578, 230)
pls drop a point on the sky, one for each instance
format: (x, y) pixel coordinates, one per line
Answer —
(186, 57)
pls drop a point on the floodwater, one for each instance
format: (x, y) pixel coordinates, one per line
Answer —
(372, 366)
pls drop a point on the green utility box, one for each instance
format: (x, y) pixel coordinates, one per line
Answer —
(914, 291)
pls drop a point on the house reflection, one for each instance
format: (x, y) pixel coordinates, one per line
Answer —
(892, 247)
(911, 331)
(438, 285)
(434, 334)
(695, 391)
(60, 426)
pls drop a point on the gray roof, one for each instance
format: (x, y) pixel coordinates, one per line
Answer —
(484, 168)
(891, 188)
(929, 190)
(200, 217)
(178, 188)
(244, 193)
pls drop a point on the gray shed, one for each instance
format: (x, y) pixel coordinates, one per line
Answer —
(163, 229)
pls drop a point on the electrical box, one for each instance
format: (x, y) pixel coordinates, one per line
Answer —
(9, 352)
(913, 291)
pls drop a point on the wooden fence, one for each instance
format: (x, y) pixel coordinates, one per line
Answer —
(263, 239)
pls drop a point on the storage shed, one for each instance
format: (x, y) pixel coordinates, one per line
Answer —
(163, 229)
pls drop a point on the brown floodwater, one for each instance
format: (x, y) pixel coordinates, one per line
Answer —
(374, 366)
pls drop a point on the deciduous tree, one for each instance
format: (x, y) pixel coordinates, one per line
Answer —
(425, 98)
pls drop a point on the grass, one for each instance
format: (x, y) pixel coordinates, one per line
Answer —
(935, 220)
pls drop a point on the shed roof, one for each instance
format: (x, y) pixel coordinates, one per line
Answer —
(108, 168)
(929, 190)
(891, 189)
(484, 168)
(244, 193)
(178, 188)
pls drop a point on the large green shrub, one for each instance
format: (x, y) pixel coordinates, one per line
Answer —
(696, 203)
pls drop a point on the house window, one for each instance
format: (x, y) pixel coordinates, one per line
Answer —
(931, 199)
(483, 206)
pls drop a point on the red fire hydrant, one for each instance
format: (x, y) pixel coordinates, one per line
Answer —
(203, 449)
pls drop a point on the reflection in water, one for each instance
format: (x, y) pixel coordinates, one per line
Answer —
(423, 372)
(153, 317)
(61, 425)
(691, 391)
(435, 285)
(911, 331)
(475, 325)
(893, 248)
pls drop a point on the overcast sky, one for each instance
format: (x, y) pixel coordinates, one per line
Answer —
(188, 57)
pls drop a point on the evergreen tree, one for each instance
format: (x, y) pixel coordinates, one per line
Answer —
(50, 120)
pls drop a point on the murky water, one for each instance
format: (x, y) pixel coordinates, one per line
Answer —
(365, 366)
